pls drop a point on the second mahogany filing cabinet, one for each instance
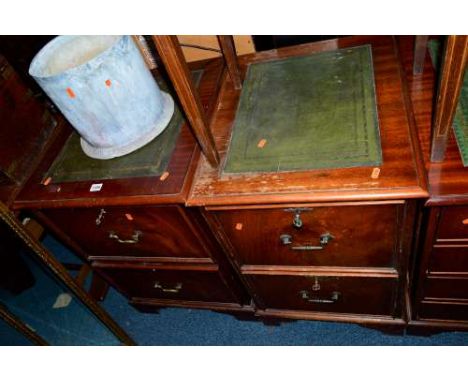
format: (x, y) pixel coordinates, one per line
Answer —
(135, 231)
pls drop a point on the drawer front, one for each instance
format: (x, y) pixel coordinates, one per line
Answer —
(361, 236)
(187, 285)
(359, 295)
(449, 259)
(130, 231)
(441, 310)
(442, 287)
(453, 223)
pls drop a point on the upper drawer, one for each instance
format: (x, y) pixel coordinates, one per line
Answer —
(449, 258)
(453, 223)
(354, 236)
(131, 231)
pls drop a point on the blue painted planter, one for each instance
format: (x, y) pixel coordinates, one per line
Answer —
(103, 87)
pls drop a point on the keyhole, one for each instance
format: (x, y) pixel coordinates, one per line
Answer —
(316, 285)
(297, 221)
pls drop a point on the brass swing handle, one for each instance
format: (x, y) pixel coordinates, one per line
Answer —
(333, 298)
(324, 240)
(177, 288)
(135, 237)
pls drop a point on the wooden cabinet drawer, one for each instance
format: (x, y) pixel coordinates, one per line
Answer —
(444, 287)
(362, 236)
(135, 232)
(182, 284)
(443, 310)
(359, 295)
(453, 223)
(449, 258)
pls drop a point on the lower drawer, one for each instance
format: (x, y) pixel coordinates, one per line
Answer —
(441, 310)
(359, 295)
(442, 287)
(204, 284)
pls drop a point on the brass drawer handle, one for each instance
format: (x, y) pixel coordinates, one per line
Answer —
(307, 248)
(324, 240)
(100, 217)
(177, 288)
(333, 298)
(135, 237)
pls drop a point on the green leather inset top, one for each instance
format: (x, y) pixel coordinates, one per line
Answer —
(72, 164)
(301, 113)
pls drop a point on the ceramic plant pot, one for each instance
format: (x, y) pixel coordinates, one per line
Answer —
(103, 87)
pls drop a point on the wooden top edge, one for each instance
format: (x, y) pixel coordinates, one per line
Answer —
(309, 197)
(298, 205)
(447, 200)
(92, 202)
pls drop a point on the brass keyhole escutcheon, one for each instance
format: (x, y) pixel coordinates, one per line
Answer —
(316, 286)
(297, 221)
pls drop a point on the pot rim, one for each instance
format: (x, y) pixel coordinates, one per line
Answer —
(48, 49)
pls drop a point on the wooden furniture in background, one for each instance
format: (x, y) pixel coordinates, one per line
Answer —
(420, 47)
(229, 52)
(451, 81)
(174, 62)
(204, 47)
(440, 286)
(25, 131)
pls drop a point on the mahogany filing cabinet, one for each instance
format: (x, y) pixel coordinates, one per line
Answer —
(326, 244)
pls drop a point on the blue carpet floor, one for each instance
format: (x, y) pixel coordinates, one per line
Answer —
(173, 326)
(198, 327)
